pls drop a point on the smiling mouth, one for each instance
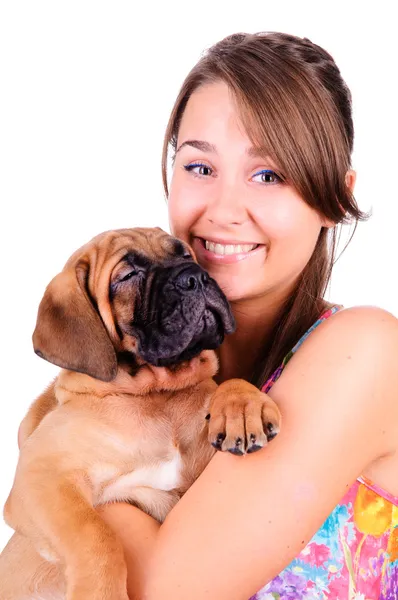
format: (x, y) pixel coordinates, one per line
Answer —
(227, 249)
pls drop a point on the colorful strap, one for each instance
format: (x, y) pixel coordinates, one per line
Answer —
(380, 492)
(275, 376)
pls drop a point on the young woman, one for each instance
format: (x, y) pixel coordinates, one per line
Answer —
(262, 136)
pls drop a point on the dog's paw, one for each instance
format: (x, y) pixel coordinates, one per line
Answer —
(242, 419)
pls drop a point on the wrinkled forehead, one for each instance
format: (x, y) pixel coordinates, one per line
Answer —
(152, 244)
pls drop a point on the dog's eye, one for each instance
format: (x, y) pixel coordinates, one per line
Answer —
(128, 276)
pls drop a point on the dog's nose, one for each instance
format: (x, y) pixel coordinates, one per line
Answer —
(192, 278)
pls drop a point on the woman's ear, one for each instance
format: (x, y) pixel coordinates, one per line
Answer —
(328, 223)
(350, 179)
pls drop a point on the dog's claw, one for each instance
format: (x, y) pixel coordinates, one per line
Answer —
(235, 446)
(217, 443)
(236, 451)
(254, 448)
(272, 431)
(256, 442)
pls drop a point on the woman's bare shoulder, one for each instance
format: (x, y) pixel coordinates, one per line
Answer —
(365, 335)
(363, 316)
(355, 349)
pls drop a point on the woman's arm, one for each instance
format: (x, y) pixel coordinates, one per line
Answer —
(137, 532)
(246, 518)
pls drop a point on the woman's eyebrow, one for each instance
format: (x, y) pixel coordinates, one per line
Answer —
(256, 152)
(253, 151)
(199, 145)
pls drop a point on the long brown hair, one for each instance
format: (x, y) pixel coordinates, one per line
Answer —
(296, 109)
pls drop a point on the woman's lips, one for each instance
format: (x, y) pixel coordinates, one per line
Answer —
(226, 259)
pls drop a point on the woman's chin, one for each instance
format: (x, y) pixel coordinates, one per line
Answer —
(235, 292)
(241, 288)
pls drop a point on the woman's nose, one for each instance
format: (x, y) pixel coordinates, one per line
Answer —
(226, 207)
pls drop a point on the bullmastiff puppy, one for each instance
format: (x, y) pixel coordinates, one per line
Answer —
(133, 321)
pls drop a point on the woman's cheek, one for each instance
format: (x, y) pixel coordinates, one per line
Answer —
(279, 224)
(291, 220)
(180, 218)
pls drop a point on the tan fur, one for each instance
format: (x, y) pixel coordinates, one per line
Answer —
(86, 441)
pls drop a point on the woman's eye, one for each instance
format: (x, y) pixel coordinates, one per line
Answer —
(199, 169)
(128, 276)
(267, 176)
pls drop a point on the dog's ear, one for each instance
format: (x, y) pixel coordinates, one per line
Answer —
(69, 331)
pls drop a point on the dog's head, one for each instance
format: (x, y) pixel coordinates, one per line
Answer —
(137, 291)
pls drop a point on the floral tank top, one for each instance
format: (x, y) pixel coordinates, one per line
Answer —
(354, 555)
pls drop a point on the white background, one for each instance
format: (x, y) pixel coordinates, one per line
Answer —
(86, 90)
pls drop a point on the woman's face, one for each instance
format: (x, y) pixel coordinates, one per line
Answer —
(251, 231)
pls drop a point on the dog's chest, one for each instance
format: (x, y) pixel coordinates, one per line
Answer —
(164, 475)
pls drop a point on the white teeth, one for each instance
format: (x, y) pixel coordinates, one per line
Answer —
(229, 248)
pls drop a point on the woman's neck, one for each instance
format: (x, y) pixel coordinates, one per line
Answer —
(255, 323)
(239, 352)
